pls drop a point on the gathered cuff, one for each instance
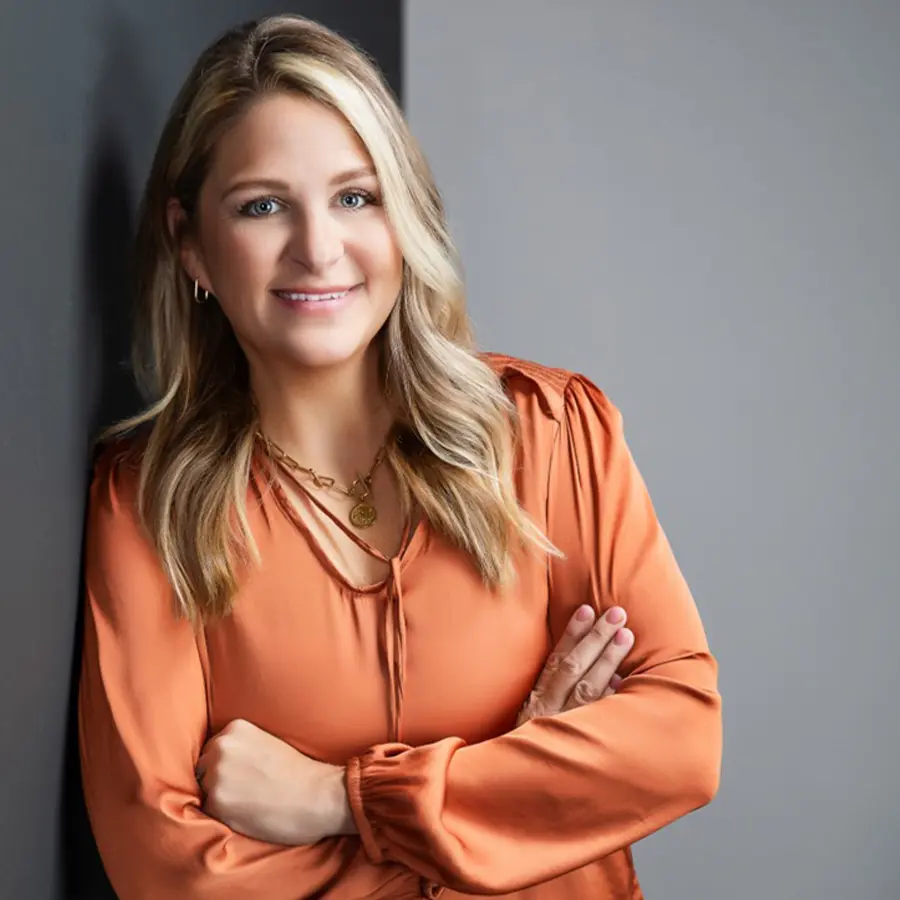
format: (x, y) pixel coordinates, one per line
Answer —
(363, 826)
(393, 793)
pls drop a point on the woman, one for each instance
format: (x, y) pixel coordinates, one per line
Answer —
(326, 567)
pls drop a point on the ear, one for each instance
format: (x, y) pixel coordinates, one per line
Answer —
(188, 246)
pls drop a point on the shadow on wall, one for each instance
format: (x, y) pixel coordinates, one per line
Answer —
(121, 113)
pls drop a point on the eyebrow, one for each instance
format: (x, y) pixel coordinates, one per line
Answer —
(275, 185)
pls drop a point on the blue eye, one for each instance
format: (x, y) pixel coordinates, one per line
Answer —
(261, 208)
(353, 196)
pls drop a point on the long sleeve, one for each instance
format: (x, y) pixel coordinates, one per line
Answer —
(142, 724)
(561, 792)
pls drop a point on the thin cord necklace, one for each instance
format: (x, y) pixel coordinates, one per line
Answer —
(363, 514)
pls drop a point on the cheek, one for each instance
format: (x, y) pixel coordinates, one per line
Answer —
(379, 254)
(241, 263)
(245, 254)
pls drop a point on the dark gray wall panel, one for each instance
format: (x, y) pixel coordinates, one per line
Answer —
(84, 87)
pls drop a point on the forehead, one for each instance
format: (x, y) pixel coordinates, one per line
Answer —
(291, 137)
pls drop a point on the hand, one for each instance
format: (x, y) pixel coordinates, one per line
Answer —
(582, 666)
(262, 787)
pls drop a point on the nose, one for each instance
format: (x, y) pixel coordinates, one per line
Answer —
(317, 240)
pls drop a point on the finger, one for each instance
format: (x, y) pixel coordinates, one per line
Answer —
(612, 687)
(577, 628)
(577, 663)
(579, 625)
(602, 674)
(595, 641)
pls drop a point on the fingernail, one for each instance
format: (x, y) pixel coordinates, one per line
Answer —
(623, 637)
(615, 615)
(584, 613)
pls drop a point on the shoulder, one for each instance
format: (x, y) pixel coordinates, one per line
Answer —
(115, 479)
(559, 395)
(122, 569)
(524, 379)
(126, 583)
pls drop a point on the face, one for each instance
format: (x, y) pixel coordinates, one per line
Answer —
(292, 237)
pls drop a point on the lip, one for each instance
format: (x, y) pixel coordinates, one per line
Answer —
(334, 289)
(316, 307)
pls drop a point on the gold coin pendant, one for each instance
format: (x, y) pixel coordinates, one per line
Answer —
(363, 515)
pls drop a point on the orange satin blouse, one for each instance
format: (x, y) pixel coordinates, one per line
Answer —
(414, 684)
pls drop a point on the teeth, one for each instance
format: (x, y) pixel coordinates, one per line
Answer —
(311, 298)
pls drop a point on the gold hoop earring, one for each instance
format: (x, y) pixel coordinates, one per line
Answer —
(197, 290)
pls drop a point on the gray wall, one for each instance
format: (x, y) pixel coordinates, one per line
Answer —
(698, 205)
(84, 87)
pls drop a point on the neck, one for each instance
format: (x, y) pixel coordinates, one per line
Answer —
(332, 419)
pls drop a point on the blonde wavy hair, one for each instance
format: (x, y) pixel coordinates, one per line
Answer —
(455, 425)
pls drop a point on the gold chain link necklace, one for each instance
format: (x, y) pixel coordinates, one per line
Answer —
(363, 514)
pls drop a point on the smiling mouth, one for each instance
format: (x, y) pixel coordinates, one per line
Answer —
(314, 297)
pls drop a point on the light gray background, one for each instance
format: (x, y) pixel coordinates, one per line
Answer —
(84, 88)
(698, 205)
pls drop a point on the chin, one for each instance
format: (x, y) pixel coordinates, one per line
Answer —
(326, 355)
